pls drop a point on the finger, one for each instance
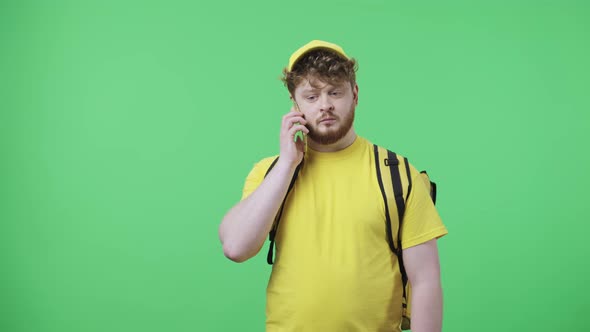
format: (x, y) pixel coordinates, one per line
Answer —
(293, 122)
(288, 123)
(292, 113)
(296, 119)
(300, 145)
(296, 128)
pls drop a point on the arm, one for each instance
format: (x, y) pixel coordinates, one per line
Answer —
(244, 227)
(423, 269)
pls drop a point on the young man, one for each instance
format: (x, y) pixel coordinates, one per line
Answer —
(334, 270)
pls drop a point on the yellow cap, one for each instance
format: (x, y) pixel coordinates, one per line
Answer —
(312, 45)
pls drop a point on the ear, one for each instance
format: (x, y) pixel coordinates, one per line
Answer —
(355, 94)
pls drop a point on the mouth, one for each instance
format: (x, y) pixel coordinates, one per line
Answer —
(327, 120)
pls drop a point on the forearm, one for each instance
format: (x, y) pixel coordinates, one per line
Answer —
(427, 307)
(245, 227)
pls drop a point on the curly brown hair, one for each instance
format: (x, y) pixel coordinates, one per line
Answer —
(323, 65)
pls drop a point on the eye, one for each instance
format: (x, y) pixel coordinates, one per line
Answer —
(310, 98)
(336, 93)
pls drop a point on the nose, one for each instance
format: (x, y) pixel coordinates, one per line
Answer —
(326, 103)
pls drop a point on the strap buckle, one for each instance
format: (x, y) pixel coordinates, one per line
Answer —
(393, 162)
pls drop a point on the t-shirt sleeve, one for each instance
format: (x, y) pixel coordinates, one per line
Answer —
(421, 222)
(256, 175)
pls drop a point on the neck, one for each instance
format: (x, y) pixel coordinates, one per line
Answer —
(343, 143)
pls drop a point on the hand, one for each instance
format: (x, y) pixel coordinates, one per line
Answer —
(292, 152)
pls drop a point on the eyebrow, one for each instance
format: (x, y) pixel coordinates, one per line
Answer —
(312, 89)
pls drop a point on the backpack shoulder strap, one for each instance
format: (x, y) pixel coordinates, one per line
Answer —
(395, 190)
(275, 227)
(271, 166)
(385, 184)
(389, 167)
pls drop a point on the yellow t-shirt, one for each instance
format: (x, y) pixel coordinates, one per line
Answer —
(333, 268)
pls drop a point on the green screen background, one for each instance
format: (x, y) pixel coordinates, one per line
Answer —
(127, 130)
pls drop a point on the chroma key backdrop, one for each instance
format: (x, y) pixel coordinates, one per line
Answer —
(127, 129)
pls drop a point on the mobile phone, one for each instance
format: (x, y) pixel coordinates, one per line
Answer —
(299, 133)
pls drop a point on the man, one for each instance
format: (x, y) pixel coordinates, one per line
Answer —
(334, 270)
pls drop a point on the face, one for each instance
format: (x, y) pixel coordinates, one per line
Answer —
(328, 109)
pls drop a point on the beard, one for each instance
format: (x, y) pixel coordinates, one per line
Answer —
(331, 134)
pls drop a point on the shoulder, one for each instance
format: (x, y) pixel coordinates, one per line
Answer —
(265, 163)
(260, 167)
(402, 160)
(390, 152)
(256, 175)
